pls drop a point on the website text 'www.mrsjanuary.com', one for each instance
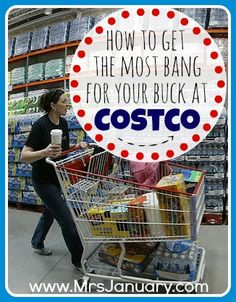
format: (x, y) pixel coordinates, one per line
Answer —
(113, 287)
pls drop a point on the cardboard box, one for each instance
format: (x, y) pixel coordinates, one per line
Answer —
(146, 209)
(136, 259)
(138, 226)
(109, 220)
(175, 207)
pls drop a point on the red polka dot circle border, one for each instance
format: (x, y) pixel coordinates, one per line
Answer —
(207, 127)
(214, 55)
(214, 113)
(155, 156)
(76, 68)
(207, 41)
(99, 137)
(111, 146)
(88, 127)
(183, 147)
(184, 21)
(81, 113)
(88, 40)
(218, 69)
(140, 12)
(125, 14)
(124, 153)
(196, 30)
(170, 153)
(196, 138)
(81, 54)
(218, 99)
(111, 21)
(76, 98)
(155, 12)
(139, 155)
(99, 30)
(170, 14)
(74, 83)
(220, 84)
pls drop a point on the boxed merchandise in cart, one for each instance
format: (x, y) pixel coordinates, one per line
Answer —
(145, 216)
(136, 217)
(176, 205)
(137, 225)
(102, 221)
(136, 259)
(129, 217)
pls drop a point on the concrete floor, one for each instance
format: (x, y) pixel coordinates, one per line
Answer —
(25, 266)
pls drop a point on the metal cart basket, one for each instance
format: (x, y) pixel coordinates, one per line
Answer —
(112, 211)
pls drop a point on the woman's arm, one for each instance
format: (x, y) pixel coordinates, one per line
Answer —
(28, 155)
(81, 144)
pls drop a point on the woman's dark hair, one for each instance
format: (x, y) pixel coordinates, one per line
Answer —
(48, 97)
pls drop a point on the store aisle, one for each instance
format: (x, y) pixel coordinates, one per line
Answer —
(26, 266)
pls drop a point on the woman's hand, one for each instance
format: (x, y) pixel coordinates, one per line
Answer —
(83, 145)
(52, 150)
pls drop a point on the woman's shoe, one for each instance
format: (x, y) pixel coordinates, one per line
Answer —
(44, 251)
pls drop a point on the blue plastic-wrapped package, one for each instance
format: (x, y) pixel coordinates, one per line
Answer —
(218, 18)
(80, 27)
(39, 38)
(100, 17)
(22, 44)
(58, 33)
(11, 45)
(197, 14)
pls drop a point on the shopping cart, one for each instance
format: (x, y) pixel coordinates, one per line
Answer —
(111, 211)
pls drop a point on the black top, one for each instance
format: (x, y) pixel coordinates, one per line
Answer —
(38, 139)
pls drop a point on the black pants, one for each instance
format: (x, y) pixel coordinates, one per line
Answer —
(55, 207)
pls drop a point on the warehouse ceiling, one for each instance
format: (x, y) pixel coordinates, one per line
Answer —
(24, 19)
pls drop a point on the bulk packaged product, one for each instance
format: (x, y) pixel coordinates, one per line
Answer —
(16, 183)
(136, 259)
(104, 223)
(129, 217)
(39, 38)
(99, 17)
(9, 78)
(80, 27)
(11, 45)
(58, 33)
(175, 207)
(36, 72)
(22, 44)
(54, 68)
(197, 14)
(14, 155)
(69, 59)
(18, 75)
(218, 18)
(176, 260)
(14, 196)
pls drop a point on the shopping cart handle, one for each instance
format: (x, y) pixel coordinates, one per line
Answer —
(70, 150)
(50, 161)
(90, 145)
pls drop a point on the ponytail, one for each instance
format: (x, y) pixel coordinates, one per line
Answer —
(48, 97)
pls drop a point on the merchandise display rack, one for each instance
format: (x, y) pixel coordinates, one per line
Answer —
(214, 32)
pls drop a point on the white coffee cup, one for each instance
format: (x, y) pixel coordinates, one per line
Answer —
(56, 136)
